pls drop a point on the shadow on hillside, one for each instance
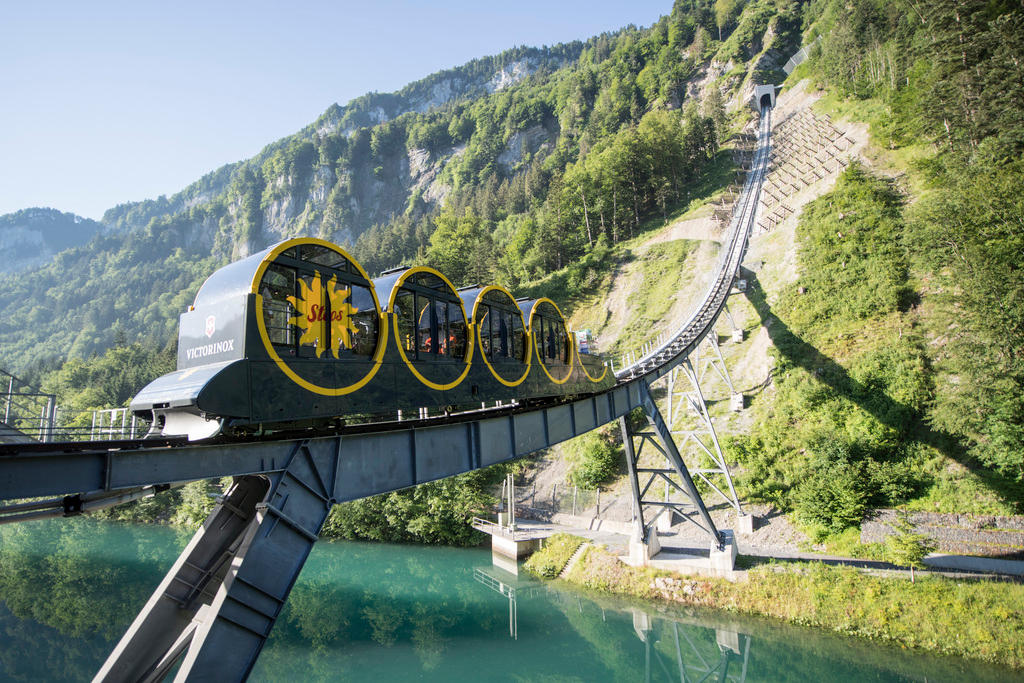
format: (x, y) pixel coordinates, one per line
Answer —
(891, 413)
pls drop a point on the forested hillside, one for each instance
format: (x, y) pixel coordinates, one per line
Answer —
(502, 169)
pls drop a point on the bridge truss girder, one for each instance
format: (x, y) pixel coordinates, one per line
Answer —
(704, 435)
(676, 476)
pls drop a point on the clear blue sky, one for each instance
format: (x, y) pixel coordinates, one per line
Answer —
(107, 102)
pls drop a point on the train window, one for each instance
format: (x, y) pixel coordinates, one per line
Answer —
(405, 315)
(277, 285)
(456, 332)
(517, 338)
(441, 316)
(538, 336)
(363, 322)
(430, 326)
(313, 339)
(502, 340)
(484, 330)
(430, 280)
(314, 253)
(319, 310)
(427, 325)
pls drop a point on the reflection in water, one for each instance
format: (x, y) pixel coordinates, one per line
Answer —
(693, 663)
(511, 586)
(360, 611)
(690, 662)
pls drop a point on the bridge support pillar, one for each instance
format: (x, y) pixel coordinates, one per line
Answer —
(723, 558)
(218, 603)
(736, 332)
(641, 552)
(703, 435)
(647, 509)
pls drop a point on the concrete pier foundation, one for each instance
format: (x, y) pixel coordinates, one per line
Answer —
(512, 548)
(641, 552)
(724, 560)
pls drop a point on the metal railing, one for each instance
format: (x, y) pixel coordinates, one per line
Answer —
(30, 414)
(494, 529)
(116, 423)
(26, 410)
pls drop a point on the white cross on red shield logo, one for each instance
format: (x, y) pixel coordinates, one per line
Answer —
(211, 325)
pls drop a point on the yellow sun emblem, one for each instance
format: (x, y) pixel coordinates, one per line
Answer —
(313, 317)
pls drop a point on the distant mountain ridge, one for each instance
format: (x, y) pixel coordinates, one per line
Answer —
(32, 237)
(473, 79)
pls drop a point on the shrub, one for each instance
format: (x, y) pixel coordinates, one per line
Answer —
(598, 459)
(835, 495)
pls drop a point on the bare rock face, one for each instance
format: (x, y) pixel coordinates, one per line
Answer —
(521, 144)
(440, 93)
(511, 74)
(424, 174)
(706, 78)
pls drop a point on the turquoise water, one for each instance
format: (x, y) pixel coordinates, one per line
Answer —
(69, 588)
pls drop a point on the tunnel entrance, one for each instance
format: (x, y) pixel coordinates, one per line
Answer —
(764, 96)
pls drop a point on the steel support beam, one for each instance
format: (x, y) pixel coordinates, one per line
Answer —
(398, 455)
(704, 436)
(216, 606)
(634, 481)
(676, 476)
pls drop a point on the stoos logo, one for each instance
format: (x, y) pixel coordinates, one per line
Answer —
(211, 325)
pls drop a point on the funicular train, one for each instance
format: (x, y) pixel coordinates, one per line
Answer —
(298, 336)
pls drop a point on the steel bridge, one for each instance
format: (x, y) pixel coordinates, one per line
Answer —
(215, 608)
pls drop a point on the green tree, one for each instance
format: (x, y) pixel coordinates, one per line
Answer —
(726, 12)
(906, 547)
(461, 247)
(598, 457)
(197, 500)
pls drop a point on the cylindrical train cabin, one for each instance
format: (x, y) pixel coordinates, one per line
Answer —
(431, 333)
(549, 338)
(298, 336)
